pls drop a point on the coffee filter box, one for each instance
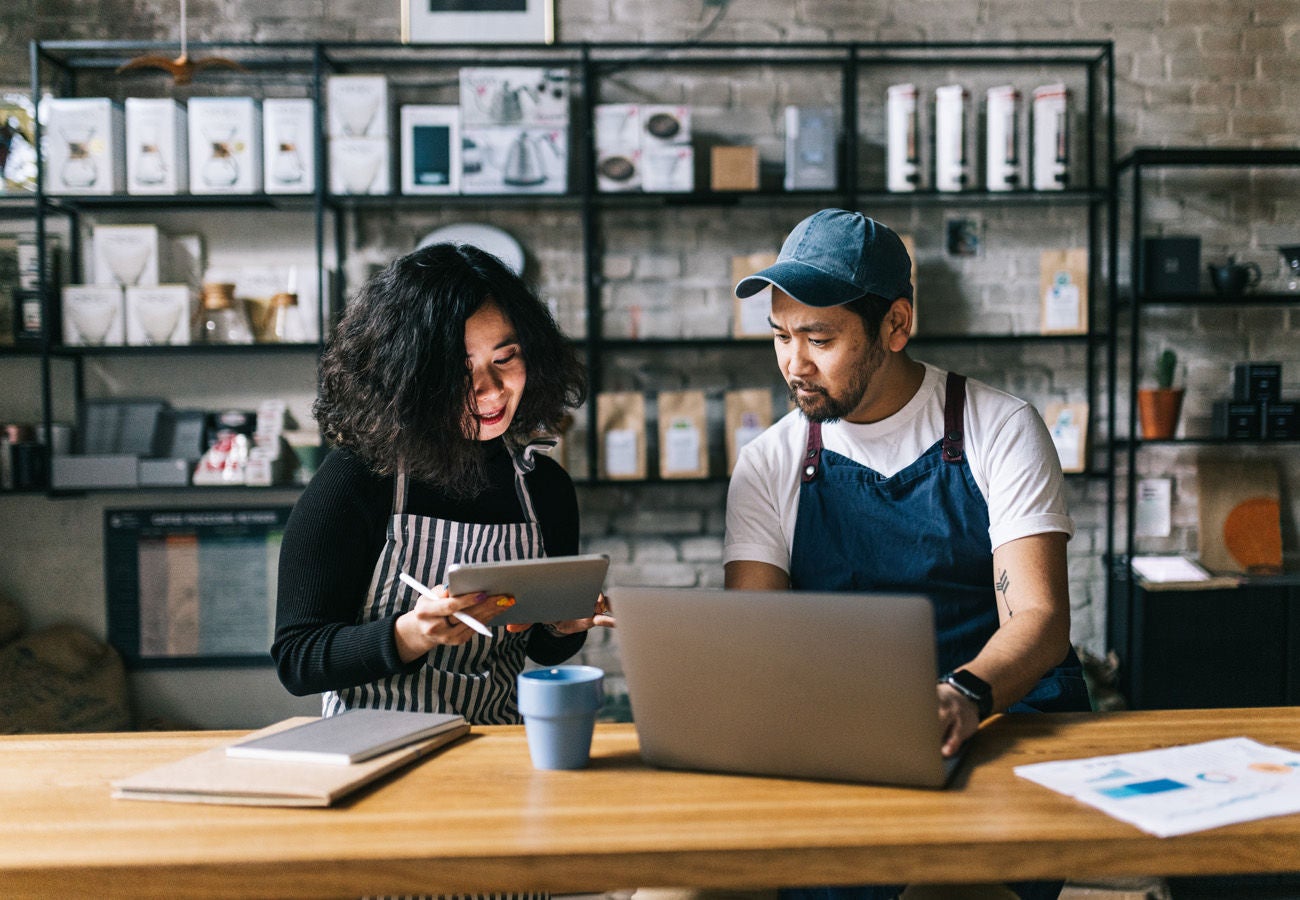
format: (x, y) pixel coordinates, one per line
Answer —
(225, 142)
(357, 106)
(93, 316)
(157, 147)
(360, 166)
(85, 146)
(159, 315)
(127, 254)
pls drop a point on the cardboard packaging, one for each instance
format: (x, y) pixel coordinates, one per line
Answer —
(734, 169)
(952, 171)
(617, 129)
(683, 434)
(903, 139)
(359, 166)
(288, 151)
(1281, 420)
(1051, 138)
(115, 470)
(357, 106)
(225, 145)
(86, 147)
(664, 125)
(527, 96)
(157, 147)
(1063, 291)
(620, 420)
(127, 254)
(1002, 139)
(431, 149)
(810, 161)
(93, 316)
(513, 160)
(1237, 420)
(747, 413)
(668, 169)
(159, 316)
(749, 317)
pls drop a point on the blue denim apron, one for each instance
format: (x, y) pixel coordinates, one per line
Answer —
(924, 530)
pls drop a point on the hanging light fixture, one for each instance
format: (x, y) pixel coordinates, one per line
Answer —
(182, 68)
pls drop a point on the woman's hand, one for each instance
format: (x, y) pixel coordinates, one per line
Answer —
(431, 621)
(602, 618)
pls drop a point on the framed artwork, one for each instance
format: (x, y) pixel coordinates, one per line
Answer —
(478, 21)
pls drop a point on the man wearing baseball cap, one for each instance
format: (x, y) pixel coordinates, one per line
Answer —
(892, 474)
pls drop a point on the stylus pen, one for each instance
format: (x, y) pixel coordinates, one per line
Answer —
(464, 617)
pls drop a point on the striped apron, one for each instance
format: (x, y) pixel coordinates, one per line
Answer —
(475, 679)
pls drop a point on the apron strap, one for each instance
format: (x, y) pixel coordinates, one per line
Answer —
(954, 408)
(812, 461)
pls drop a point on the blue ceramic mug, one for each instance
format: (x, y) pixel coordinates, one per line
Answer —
(559, 706)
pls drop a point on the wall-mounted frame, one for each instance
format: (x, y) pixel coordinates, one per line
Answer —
(478, 21)
(194, 586)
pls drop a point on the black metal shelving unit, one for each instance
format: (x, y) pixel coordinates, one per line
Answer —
(861, 70)
(1159, 645)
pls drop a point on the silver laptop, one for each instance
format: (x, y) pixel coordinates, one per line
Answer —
(805, 685)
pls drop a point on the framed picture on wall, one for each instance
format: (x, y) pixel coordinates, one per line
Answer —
(478, 21)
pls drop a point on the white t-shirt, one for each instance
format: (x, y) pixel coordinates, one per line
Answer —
(1008, 448)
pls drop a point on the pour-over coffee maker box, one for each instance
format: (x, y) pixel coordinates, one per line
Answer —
(157, 151)
(514, 95)
(288, 150)
(85, 146)
(225, 145)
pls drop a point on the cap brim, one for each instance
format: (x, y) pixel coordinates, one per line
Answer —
(810, 286)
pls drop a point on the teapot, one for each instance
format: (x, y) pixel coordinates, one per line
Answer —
(1233, 278)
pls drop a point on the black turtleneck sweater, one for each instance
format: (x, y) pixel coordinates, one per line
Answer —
(334, 537)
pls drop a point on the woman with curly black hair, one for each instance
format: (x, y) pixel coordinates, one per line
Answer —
(443, 370)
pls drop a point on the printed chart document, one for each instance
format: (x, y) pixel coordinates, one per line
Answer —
(1178, 790)
(214, 777)
(350, 737)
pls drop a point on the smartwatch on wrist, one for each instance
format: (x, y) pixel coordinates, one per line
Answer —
(972, 687)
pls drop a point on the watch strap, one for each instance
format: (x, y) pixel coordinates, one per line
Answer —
(972, 687)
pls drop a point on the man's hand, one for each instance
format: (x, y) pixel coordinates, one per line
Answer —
(959, 718)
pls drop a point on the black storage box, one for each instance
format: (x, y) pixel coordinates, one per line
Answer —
(1237, 421)
(1282, 420)
(1171, 265)
(1256, 381)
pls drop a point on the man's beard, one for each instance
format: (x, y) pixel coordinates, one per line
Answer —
(823, 407)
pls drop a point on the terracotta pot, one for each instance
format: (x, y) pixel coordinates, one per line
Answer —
(1158, 410)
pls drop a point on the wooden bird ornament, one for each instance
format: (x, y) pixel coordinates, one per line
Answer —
(182, 69)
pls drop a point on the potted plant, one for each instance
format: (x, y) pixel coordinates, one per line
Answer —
(1159, 407)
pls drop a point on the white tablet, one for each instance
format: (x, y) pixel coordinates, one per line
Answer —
(551, 589)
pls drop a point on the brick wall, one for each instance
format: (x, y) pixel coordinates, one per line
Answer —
(1189, 72)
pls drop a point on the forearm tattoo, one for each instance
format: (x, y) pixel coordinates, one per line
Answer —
(1003, 585)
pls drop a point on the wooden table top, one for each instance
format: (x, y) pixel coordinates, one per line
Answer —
(478, 817)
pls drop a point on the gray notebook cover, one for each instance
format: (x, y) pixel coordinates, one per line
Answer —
(349, 737)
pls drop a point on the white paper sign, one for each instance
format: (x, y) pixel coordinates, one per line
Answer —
(620, 451)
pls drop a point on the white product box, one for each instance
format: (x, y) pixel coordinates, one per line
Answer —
(810, 148)
(1002, 139)
(225, 145)
(85, 141)
(256, 285)
(1051, 144)
(505, 160)
(157, 151)
(617, 126)
(619, 170)
(288, 148)
(157, 316)
(357, 106)
(903, 138)
(359, 166)
(93, 316)
(668, 169)
(431, 149)
(952, 171)
(665, 125)
(127, 255)
(514, 95)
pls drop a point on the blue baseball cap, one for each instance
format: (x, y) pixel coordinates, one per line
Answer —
(833, 257)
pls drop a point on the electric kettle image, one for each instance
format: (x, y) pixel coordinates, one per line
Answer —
(524, 165)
